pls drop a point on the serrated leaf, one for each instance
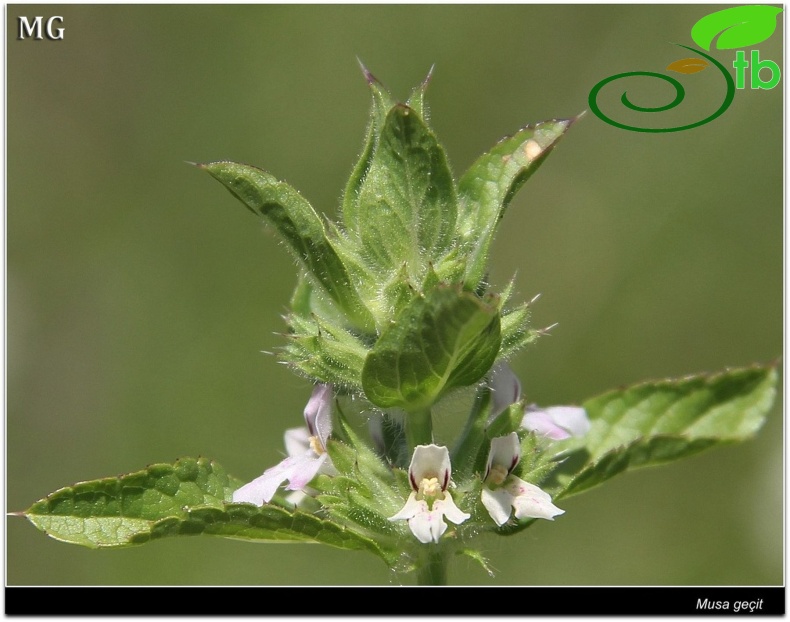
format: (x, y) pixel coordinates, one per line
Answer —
(739, 26)
(110, 511)
(445, 339)
(265, 524)
(657, 422)
(407, 203)
(188, 498)
(687, 65)
(299, 226)
(487, 187)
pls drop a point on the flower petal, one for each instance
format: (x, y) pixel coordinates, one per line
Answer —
(505, 452)
(572, 418)
(447, 507)
(304, 469)
(505, 388)
(428, 525)
(297, 497)
(557, 422)
(297, 441)
(262, 489)
(541, 423)
(411, 508)
(318, 412)
(430, 461)
(498, 503)
(530, 501)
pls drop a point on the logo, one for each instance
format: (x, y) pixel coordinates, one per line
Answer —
(37, 31)
(732, 28)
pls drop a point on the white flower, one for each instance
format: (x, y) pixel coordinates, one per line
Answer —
(430, 502)
(556, 422)
(503, 491)
(307, 455)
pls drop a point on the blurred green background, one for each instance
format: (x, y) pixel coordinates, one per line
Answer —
(140, 294)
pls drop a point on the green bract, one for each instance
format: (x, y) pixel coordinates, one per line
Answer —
(392, 311)
(400, 281)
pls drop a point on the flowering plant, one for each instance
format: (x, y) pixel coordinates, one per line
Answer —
(392, 312)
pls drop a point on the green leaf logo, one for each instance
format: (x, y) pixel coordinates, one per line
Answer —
(738, 27)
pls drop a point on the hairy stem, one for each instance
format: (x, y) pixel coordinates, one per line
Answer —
(433, 569)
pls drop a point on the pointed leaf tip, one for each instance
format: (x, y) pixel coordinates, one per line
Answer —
(366, 72)
(427, 79)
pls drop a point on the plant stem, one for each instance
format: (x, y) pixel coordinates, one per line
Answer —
(419, 428)
(433, 570)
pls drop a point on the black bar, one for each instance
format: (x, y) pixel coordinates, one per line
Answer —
(394, 601)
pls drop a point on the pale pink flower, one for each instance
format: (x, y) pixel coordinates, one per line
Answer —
(556, 422)
(430, 501)
(503, 492)
(306, 449)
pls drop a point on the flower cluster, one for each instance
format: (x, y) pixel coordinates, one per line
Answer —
(392, 312)
(430, 503)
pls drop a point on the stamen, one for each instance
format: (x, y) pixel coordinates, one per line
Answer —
(316, 446)
(497, 475)
(430, 488)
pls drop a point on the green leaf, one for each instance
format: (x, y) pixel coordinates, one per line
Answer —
(270, 523)
(657, 422)
(300, 227)
(447, 338)
(487, 187)
(112, 511)
(417, 101)
(324, 352)
(190, 497)
(407, 203)
(739, 26)
(515, 330)
(380, 104)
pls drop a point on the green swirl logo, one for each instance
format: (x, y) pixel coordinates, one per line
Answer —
(731, 28)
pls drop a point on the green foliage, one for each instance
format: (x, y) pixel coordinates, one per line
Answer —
(657, 422)
(406, 205)
(486, 189)
(190, 497)
(649, 424)
(446, 339)
(116, 510)
(399, 279)
(300, 227)
(392, 308)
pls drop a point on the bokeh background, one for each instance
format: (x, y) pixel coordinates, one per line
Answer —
(140, 294)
